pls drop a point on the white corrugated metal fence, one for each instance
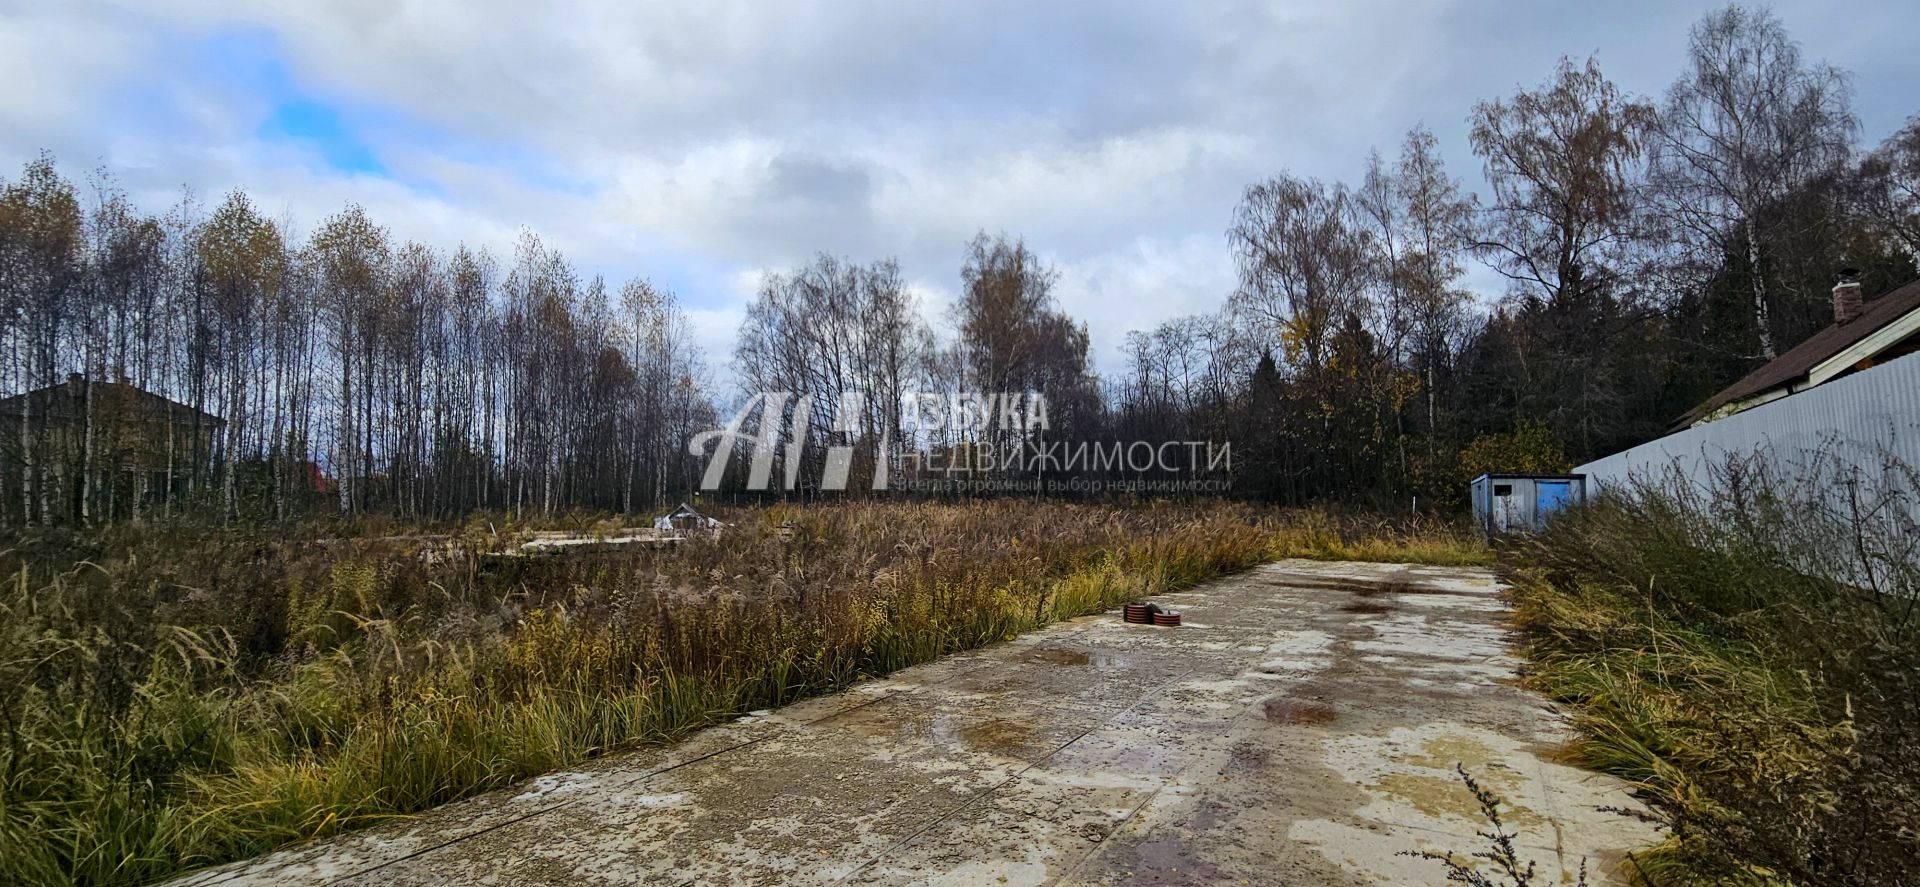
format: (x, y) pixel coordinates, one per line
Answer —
(1849, 423)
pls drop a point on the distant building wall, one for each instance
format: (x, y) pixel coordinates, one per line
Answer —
(1849, 423)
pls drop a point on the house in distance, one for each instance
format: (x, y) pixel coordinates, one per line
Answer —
(1863, 335)
(84, 448)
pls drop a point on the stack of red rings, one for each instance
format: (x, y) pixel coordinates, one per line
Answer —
(1140, 613)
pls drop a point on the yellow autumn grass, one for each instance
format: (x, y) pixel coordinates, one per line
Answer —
(157, 726)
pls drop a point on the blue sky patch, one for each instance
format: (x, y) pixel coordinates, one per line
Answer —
(251, 60)
(320, 127)
(344, 132)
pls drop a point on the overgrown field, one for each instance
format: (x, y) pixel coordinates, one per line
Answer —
(1749, 656)
(171, 698)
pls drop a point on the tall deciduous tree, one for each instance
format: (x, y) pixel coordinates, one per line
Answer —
(1891, 192)
(847, 337)
(243, 266)
(1013, 336)
(1747, 126)
(42, 249)
(350, 255)
(1303, 262)
(1565, 163)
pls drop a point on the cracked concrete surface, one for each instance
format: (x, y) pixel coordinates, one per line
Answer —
(1301, 728)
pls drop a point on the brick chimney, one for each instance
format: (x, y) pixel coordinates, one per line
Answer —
(1847, 303)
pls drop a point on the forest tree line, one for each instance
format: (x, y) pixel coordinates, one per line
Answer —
(1654, 249)
(351, 372)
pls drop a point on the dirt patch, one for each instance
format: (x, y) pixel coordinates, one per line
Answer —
(1443, 796)
(1281, 710)
(1166, 859)
(1247, 758)
(1445, 752)
(1057, 656)
(998, 736)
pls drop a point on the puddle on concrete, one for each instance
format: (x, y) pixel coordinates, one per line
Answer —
(1365, 588)
(1281, 710)
(1057, 656)
(1357, 586)
(1394, 588)
(1414, 769)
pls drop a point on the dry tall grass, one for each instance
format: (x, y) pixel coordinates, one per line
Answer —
(1747, 653)
(175, 698)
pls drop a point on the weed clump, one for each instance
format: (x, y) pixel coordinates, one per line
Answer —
(1502, 855)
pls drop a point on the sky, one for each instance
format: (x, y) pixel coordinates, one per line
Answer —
(700, 144)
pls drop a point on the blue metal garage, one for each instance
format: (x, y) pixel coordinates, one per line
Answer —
(1510, 503)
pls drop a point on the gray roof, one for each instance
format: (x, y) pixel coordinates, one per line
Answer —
(1794, 365)
(65, 402)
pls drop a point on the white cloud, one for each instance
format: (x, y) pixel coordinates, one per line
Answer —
(702, 142)
(1192, 275)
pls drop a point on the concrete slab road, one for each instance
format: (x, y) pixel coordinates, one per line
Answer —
(1301, 727)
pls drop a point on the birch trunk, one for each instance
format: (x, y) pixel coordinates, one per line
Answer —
(86, 453)
(1761, 318)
